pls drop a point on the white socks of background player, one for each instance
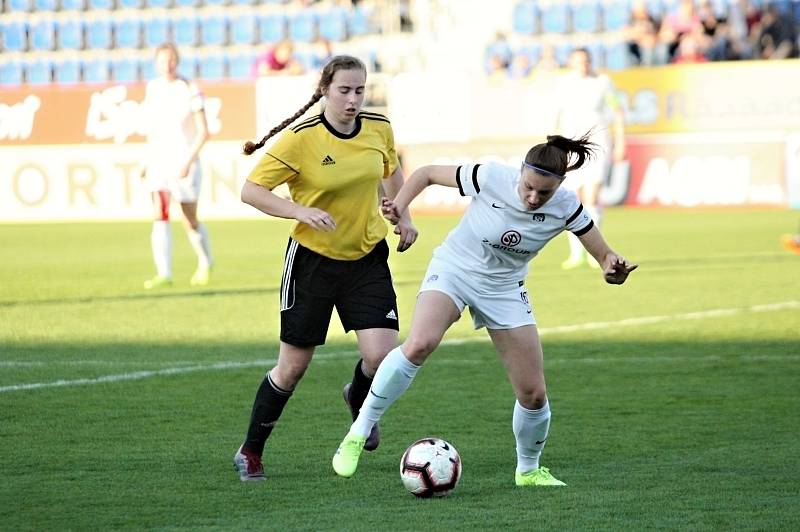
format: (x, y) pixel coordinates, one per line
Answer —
(393, 377)
(530, 430)
(198, 238)
(161, 243)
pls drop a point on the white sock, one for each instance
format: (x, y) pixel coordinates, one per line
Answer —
(530, 430)
(161, 243)
(393, 377)
(576, 249)
(199, 240)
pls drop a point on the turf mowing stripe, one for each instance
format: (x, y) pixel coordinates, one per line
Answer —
(647, 320)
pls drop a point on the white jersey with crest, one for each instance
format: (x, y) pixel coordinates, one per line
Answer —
(498, 236)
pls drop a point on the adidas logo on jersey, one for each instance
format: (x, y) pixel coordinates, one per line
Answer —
(328, 160)
(391, 315)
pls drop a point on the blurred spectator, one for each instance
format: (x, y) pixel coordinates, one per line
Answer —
(778, 36)
(688, 50)
(498, 53)
(642, 34)
(521, 66)
(322, 51)
(683, 19)
(496, 69)
(277, 60)
(548, 62)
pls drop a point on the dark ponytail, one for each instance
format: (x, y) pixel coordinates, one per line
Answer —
(339, 62)
(554, 156)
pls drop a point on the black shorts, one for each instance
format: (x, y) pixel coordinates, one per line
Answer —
(311, 285)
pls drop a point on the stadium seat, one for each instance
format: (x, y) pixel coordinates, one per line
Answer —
(98, 32)
(67, 71)
(555, 18)
(525, 17)
(271, 27)
(617, 56)
(22, 6)
(14, 33)
(243, 2)
(45, 5)
(562, 51)
(586, 17)
(129, 4)
(212, 66)
(157, 3)
(39, 71)
(213, 29)
(95, 5)
(243, 28)
(70, 32)
(333, 24)
(240, 64)
(215, 2)
(155, 30)
(358, 22)
(187, 68)
(128, 31)
(125, 69)
(96, 69)
(73, 5)
(42, 32)
(11, 72)
(615, 15)
(303, 26)
(185, 29)
(598, 54)
(186, 3)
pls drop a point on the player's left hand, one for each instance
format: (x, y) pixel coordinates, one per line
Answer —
(390, 211)
(616, 269)
(408, 234)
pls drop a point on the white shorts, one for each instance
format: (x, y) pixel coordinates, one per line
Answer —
(504, 306)
(183, 189)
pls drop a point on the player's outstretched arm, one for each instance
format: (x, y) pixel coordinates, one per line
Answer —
(615, 267)
(404, 226)
(422, 177)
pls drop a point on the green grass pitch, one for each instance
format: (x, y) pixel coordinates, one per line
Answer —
(675, 397)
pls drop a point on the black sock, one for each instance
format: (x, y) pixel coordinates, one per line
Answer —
(360, 387)
(267, 408)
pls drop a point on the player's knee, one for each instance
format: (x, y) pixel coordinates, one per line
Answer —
(289, 375)
(417, 348)
(533, 397)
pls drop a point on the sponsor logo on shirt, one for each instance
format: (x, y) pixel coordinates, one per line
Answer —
(328, 160)
(508, 241)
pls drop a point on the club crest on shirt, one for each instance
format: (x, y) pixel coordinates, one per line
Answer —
(538, 217)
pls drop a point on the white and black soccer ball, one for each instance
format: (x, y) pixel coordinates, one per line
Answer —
(430, 467)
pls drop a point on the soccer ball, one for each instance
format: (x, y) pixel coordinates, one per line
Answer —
(430, 467)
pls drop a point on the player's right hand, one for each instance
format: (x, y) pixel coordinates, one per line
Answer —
(389, 211)
(316, 218)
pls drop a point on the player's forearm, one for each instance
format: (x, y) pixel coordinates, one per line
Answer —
(267, 201)
(412, 188)
(595, 244)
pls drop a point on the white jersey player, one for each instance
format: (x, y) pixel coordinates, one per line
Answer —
(588, 102)
(177, 130)
(482, 265)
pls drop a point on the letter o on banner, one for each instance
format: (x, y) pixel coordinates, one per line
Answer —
(31, 186)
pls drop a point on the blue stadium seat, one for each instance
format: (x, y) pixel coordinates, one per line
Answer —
(562, 51)
(333, 24)
(240, 65)
(303, 26)
(271, 27)
(243, 28)
(42, 34)
(39, 71)
(186, 3)
(525, 17)
(18, 5)
(129, 4)
(243, 2)
(213, 29)
(67, 71)
(100, 4)
(157, 3)
(73, 5)
(98, 33)
(616, 15)
(96, 70)
(555, 18)
(70, 33)
(187, 68)
(212, 66)
(598, 54)
(215, 2)
(14, 34)
(586, 17)
(617, 56)
(185, 29)
(533, 51)
(45, 5)
(128, 32)
(358, 22)
(11, 72)
(155, 30)
(125, 69)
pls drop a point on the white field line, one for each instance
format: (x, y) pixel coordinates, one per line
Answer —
(265, 363)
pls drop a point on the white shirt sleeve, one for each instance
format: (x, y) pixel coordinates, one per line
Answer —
(196, 98)
(579, 222)
(470, 178)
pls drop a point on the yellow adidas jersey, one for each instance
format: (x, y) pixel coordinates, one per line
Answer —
(337, 173)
